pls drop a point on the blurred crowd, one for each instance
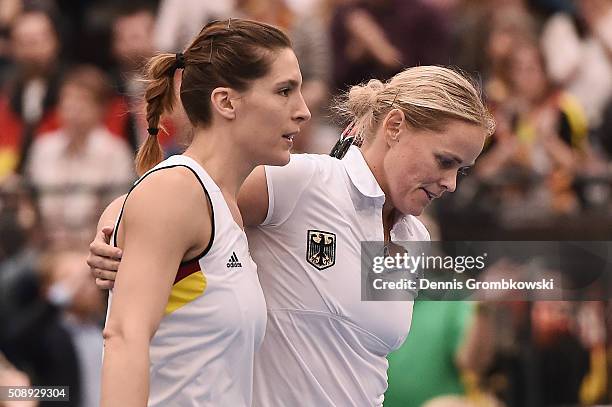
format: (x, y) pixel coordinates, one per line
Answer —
(71, 118)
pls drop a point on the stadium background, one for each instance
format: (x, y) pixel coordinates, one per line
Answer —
(71, 119)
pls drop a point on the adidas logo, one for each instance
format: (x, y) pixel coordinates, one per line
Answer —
(233, 261)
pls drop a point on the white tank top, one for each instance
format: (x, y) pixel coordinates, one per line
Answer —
(202, 353)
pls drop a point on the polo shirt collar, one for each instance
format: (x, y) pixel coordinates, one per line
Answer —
(360, 174)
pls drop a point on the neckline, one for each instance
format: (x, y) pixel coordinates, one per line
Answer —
(229, 211)
(361, 175)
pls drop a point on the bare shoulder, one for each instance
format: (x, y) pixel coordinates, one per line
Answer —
(171, 203)
(164, 191)
(111, 212)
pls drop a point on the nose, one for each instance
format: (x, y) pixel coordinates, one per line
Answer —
(302, 113)
(449, 182)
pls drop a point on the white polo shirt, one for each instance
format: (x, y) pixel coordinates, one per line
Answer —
(323, 345)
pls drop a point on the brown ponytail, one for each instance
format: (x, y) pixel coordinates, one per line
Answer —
(159, 95)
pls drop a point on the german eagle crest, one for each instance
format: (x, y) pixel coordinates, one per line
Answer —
(321, 249)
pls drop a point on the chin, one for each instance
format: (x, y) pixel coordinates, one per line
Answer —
(415, 211)
(280, 159)
(412, 208)
(420, 211)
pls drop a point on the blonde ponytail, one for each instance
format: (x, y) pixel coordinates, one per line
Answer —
(360, 105)
(428, 95)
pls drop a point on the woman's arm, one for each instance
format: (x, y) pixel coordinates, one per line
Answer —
(103, 259)
(369, 34)
(253, 198)
(165, 220)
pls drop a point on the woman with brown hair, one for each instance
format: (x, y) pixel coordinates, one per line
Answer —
(187, 312)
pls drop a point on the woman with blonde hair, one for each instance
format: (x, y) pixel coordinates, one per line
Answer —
(324, 346)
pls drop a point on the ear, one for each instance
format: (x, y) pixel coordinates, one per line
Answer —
(392, 126)
(221, 100)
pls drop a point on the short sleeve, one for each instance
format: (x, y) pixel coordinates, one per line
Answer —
(286, 185)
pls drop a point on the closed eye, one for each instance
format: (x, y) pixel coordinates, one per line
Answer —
(445, 163)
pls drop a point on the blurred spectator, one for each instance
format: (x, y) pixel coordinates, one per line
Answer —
(549, 353)
(9, 10)
(66, 278)
(507, 26)
(591, 327)
(376, 38)
(180, 20)
(310, 42)
(18, 253)
(447, 340)
(31, 335)
(10, 376)
(56, 337)
(541, 140)
(306, 7)
(552, 324)
(78, 169)
(312, 48)
(578, 51)
(27, 105)
(563, 359)
(132, 45)
(469, 25)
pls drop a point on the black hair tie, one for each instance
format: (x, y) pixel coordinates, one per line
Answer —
(179, 62)
(153, 131)
(341, 147)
